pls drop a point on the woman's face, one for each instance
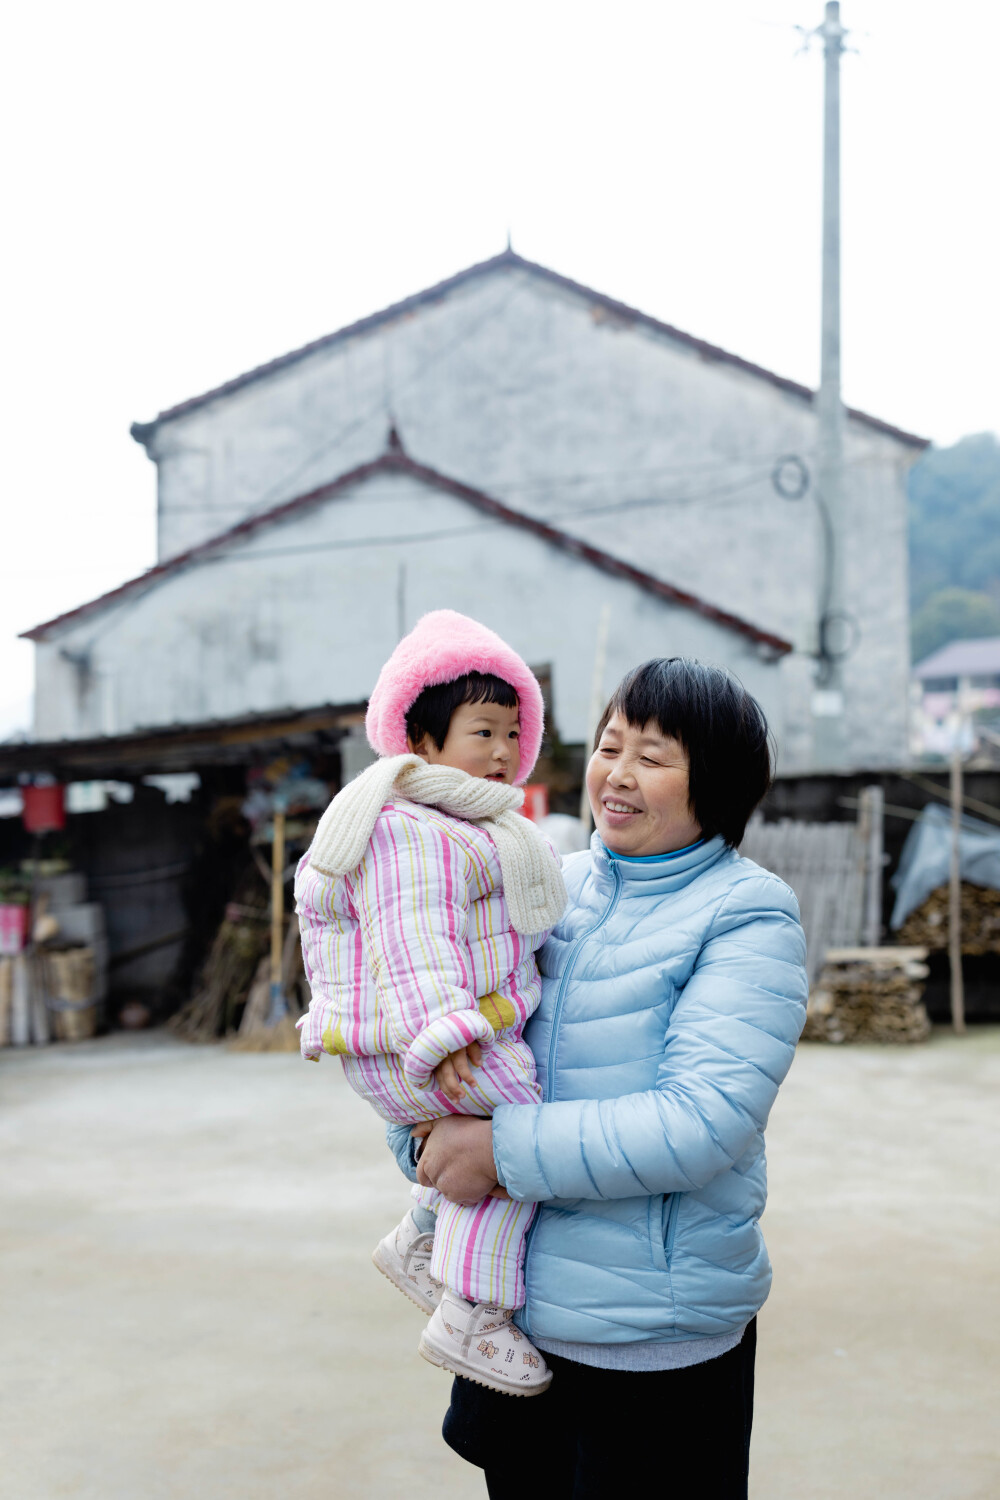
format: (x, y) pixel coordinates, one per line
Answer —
(637, 782)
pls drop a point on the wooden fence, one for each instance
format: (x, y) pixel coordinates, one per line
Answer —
(826, 865)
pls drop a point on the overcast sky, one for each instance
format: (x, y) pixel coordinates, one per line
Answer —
(192, 188)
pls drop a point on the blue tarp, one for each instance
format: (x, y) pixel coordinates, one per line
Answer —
(925, 862)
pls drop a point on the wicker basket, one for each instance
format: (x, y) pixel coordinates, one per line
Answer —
(69, 976)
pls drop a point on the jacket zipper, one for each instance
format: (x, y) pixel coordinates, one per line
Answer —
(567, 973)
(668, 1238)
(550, 1063)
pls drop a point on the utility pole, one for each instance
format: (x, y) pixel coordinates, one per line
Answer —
(828, 701)
(955, 892)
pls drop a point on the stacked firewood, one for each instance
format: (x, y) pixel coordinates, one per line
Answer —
(258, 1032)
(927, 927)
(224, 983)
(233, 990)
(869, 995)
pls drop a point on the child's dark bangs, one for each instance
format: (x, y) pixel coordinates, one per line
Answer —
(433, 710)
(483, 687)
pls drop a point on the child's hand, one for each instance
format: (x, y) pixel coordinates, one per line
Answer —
(455, 1069)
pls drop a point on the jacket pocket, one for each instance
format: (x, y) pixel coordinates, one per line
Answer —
(673, 1204)
(662, 1227)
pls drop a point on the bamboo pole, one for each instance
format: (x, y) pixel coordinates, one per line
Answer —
(873, 821)
(278, 1007)
(955, 897)
(596, 707)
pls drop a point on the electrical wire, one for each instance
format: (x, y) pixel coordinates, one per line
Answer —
(722, 495)
(555, 481)
(382, 407)
(565, 481)
(482, 526)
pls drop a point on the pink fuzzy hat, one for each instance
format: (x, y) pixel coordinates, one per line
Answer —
(440, 647)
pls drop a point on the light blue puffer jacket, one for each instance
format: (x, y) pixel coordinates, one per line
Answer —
(673, 996)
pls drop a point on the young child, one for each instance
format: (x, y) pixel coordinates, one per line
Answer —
(422, 901)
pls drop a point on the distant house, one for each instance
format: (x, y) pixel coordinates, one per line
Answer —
(552, 452)
(956, 686)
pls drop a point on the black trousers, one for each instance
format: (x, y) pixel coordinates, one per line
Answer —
(597, 1434)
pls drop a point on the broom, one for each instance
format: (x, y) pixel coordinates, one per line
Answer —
(267, 1024)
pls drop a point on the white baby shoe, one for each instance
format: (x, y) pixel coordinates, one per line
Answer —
(405, 1257)
(481, 1343)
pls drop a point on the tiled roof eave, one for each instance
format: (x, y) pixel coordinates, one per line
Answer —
(144, 432)
(397, 461)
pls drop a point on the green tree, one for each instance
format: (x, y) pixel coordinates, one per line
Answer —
(952, 615)
(954, 496)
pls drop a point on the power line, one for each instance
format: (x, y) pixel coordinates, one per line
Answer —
(501, 488)
(410, 538)
(223, 555)
(501, 305)
(379, 408)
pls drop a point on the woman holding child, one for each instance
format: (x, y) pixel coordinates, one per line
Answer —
(585, 1225)
(673, 996)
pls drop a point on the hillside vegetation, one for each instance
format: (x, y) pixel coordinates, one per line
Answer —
(954, 498)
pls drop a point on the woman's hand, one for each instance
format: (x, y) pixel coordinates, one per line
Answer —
(456, 1069)
(457, 1159)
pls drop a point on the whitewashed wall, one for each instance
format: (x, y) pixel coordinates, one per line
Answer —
(544, 399)
(299, 616)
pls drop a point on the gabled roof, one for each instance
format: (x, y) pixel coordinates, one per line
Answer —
(973, 658)
(143, 431)
(396, 461)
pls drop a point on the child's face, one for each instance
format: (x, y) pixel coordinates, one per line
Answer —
(481, 740)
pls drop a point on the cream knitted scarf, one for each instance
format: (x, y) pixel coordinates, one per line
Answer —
(532, 877)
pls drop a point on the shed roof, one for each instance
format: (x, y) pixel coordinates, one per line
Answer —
(143, 431)
(396, 461)
(973, 658)
(180, 747)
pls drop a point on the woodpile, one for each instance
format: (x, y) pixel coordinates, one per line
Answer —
(224, 984)
(869, 995)
(256, 1032)
(927, 927)
(232, 997)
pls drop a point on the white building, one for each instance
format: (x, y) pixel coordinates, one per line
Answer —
(957, 689)
(560, 452)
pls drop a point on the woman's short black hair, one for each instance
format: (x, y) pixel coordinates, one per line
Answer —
(722, 728)
(431, 713)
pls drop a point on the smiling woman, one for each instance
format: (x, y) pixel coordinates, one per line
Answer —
(681, 753)
(637, 782)
(673, 994)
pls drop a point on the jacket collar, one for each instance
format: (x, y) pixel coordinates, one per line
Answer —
(656, 876)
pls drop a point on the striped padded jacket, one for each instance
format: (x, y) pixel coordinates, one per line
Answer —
(413, 953)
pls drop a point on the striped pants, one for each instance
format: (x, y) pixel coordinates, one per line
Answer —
(478, 1247)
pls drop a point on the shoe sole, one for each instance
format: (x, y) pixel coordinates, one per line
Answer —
(390, 1275)
(442, 1361)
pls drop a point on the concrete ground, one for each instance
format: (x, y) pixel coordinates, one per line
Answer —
(189, 1312)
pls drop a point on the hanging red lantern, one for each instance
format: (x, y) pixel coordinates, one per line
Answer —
(536, 802)
(44, 808)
